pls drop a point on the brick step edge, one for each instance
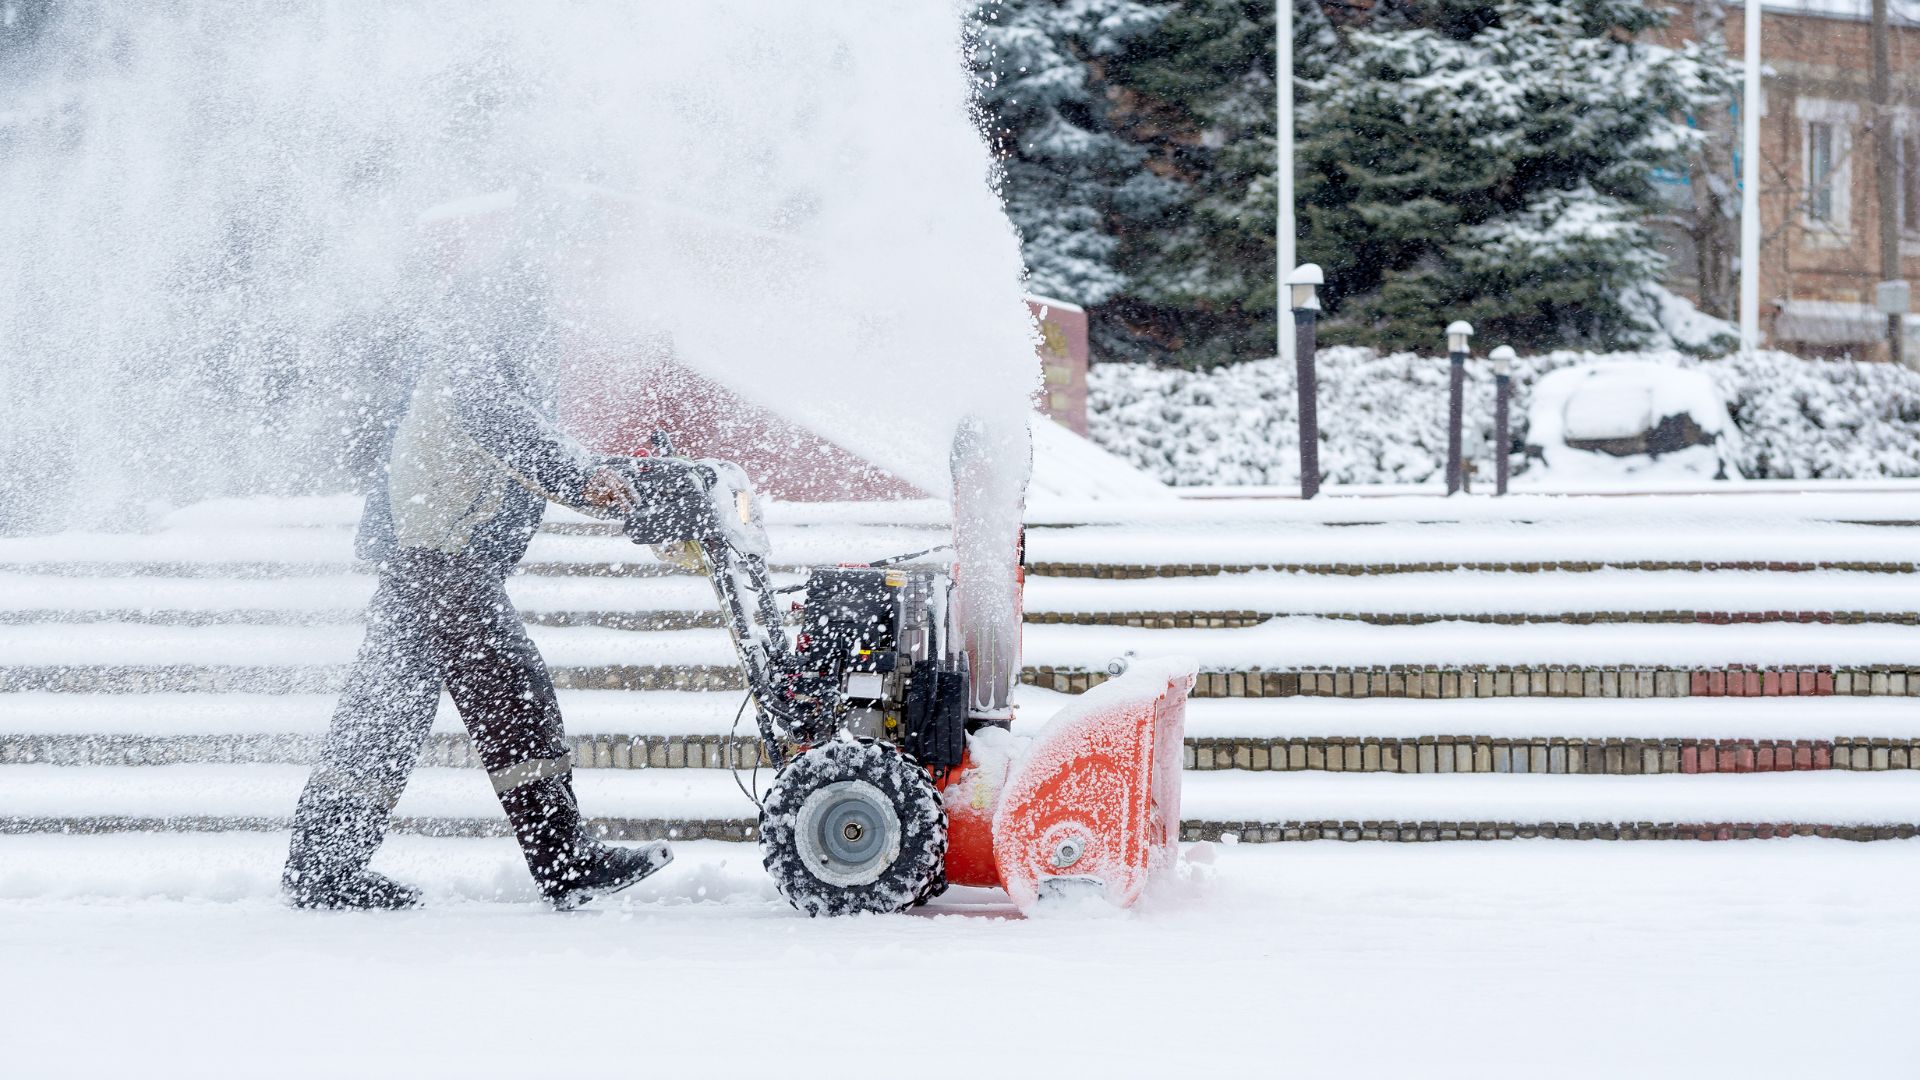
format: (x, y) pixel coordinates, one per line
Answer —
(1551, 756)
(442, 749)
(605, 828)
(258, 568)
(1412, 681)
(1157, 570)
(1245, 832)
(329, 678)
(1269, 832)
(1150, 620)
(262, 569)
(1197, 620)
(1427, 754)
(1398, 681)
(611, 620)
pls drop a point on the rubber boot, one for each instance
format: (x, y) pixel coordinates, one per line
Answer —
(569, 866)
(333, 838)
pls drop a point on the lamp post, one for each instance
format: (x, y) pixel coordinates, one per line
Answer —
(1458, 335)
(1503, 358)
(1301, 284)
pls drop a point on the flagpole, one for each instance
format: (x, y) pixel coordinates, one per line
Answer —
(1750, 188)
(1283, 138)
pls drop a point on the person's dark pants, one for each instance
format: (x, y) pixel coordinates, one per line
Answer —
(436, 620)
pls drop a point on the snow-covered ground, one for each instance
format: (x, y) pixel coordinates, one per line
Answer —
(170, 957)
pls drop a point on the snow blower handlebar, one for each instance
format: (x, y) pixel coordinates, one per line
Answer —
(710, 504)
(874, 656)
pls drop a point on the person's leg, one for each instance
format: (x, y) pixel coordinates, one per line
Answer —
(507, 701)
(382, 720)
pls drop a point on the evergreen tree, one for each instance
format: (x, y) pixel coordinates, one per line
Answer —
(1071, 185)
(1494, 162)
(1205, 103)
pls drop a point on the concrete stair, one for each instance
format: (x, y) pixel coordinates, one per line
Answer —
(1545, 669)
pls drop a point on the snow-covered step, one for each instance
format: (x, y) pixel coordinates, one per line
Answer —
(1455, 753)
(1825, 798)
(1304, 643)
(1789, 718)
(622, 729)
(324, 550)
(636, 603)
(1251, 806)
(137, 645)
(343, 511)
(1776, 503)
(606, 712)
(1408, 681)
(1598, 596)
(1132, 551)
(268, 792)
(611, 729)
(1543, 755)
(1279, 645)
(1342, 505)
(681, 601)
(665, 729)
(630, 712)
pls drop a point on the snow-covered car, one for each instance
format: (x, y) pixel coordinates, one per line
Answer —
(1626, 419)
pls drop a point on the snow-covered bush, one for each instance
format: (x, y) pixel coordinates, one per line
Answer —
(1383, 417)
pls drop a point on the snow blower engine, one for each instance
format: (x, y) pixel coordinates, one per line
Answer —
(887, 717)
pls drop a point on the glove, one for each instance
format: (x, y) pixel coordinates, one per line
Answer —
(685, 554)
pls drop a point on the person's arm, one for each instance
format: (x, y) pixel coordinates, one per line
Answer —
(493, 408)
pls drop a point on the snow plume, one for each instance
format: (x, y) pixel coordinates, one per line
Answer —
(1383, 417)
(212, 253)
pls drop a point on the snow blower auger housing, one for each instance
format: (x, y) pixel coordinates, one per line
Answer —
(897, 771)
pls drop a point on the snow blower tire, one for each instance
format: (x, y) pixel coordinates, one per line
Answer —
(852, 827)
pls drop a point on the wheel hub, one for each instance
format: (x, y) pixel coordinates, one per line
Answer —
(848, 833)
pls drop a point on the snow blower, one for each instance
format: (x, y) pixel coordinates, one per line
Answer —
(888, 714)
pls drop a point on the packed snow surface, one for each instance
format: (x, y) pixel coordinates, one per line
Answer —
(169, 956)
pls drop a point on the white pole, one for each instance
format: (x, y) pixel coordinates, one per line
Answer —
(1283, 137)
(1750, 188)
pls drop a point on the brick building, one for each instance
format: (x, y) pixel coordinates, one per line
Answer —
(1819, 212)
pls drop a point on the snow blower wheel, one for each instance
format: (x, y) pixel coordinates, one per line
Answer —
(852, 827)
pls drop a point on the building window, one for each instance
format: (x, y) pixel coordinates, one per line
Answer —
(1820, 171)
(1910, 179)
(1826, 129)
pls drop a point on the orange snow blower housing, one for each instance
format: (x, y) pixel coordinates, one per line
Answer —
(889, 719)
(1091, 805)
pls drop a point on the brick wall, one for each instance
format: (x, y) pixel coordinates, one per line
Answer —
(1819, 68)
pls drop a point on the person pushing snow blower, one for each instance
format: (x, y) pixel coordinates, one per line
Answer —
(474, 459)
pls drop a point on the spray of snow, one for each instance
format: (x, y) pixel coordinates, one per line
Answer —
(215, 222)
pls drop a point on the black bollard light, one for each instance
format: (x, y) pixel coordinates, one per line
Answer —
(1503, 358)
(1306, 308)
(1458, 335)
